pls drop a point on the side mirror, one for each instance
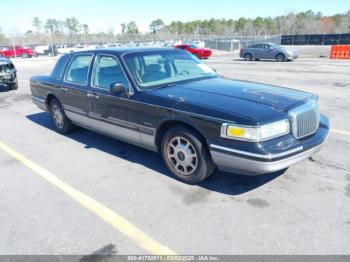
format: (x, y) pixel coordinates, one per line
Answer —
(118, 88)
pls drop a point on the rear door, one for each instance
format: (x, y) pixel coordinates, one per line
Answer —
(113, 115)
(267, 52)
(74, 88)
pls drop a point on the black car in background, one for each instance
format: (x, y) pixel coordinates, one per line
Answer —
(168, 101)
(8, 74)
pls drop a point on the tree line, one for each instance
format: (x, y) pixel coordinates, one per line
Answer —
(307, 22)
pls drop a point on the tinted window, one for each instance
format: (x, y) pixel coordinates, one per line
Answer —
(107, 71)
(316, 40)
(331, 39)
(78, 69)
(287, 40)
(301, 40)
(345, 39)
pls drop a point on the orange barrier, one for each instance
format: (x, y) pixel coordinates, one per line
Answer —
(340, 52)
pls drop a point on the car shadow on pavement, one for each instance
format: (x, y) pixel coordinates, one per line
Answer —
(226, 183)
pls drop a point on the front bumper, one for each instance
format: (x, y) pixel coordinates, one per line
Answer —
(242, 162)
(292, 57)
(7, 79)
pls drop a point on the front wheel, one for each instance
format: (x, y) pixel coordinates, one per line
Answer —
(62, 124)
(280, 58)
(186, 156)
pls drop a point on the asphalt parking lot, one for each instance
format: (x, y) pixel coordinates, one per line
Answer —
(84, 192)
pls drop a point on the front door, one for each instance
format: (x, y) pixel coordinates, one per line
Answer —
(113, 115)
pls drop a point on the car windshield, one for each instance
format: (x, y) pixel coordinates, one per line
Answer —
(165, 67)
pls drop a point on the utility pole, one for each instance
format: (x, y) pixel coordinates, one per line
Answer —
(14, 47)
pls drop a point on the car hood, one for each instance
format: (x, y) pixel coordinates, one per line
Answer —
(222, 98)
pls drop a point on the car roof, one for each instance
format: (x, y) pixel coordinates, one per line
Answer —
(124, 50)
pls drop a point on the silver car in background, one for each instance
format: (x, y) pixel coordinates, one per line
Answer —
(267, 51)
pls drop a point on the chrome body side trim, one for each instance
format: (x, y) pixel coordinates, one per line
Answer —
(39, 102)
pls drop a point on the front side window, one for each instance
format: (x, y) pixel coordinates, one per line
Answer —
(78, 69)
(166, 67)
(107, 71)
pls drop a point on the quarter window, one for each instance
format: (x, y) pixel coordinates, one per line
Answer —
(107, 71)
(78, 69)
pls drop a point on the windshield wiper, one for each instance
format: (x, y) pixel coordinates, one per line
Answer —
(166, 85)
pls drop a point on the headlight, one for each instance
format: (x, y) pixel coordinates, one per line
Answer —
(255, 133)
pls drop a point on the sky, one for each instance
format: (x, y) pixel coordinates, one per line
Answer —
(103, 15)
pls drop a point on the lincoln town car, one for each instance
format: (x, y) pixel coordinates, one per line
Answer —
(168, 101)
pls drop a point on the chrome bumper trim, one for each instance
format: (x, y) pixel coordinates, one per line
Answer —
(241, 165)
(268, 156)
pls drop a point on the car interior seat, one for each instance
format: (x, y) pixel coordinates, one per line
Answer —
(153, 73)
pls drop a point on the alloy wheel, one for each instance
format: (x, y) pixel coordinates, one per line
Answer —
(57, 116)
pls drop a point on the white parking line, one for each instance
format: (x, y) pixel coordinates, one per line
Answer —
(340, 131)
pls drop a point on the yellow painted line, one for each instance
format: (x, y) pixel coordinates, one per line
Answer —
(106, 214)
(340, 131)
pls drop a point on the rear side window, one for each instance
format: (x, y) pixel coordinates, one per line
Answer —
(57, 72)
(78, 69)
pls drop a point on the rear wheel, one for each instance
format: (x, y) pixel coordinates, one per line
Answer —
(62, 124)
(186, 156)
(248, 57)
(280, 58)
(25, 55)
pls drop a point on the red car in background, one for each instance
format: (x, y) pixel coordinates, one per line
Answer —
(201, 53)
(19, 51)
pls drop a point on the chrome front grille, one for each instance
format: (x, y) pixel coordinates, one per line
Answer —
(305, 119)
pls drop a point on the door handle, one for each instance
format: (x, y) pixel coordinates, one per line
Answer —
(92, 96)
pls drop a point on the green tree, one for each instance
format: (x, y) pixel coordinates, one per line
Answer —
(72, 24)
(37, 24)
(131, 28)
(241, 24)
(156, 26)
(123, 25)
(50, 26)
(258, 24)
(3, 39)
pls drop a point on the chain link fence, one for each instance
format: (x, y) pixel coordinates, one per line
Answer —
(227, 43)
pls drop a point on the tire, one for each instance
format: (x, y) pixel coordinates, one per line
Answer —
(185, 155)
(13, 86)
(24, 55)
(280, 58)
(61, 122)
(248, 57)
